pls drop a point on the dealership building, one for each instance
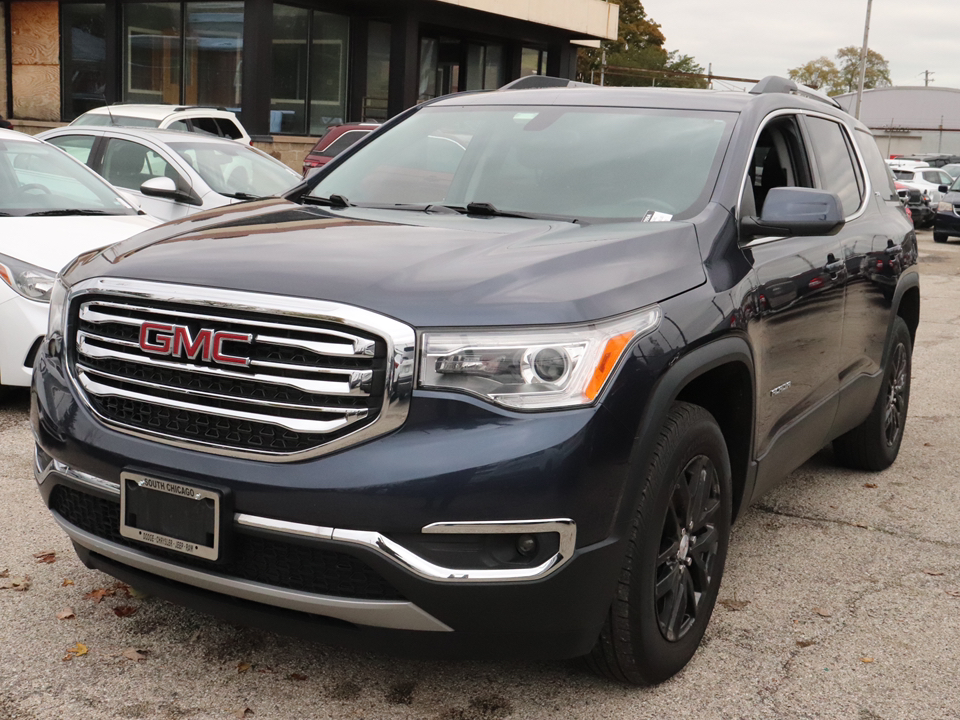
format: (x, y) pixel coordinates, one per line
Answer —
(290, 69)
(907, 120)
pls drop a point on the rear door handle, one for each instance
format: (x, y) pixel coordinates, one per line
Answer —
(833, 265)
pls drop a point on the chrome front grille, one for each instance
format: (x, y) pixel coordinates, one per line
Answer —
(299, 378)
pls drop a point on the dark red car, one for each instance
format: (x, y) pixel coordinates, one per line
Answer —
(337, 139)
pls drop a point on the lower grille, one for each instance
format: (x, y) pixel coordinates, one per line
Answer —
(263, 560)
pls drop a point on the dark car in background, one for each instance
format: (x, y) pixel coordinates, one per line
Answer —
(498, 381)
(337, 139)
(946, 222)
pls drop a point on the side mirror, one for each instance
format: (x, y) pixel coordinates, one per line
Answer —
(943, 188)
(160, 187)
(796, 211)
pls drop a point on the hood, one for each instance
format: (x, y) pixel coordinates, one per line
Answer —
(52, 242)
(423, 269)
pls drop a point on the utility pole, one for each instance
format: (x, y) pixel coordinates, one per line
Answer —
(603, 65)
(863, 58)
(710, 76)
(926, 77)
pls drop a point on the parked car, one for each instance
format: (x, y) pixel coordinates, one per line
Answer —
(505, 399)
(5, 124)
(216, 121)
(931, 159)
(337, 139)
(918, 206)
(946, 222)
(904, 164)
(926, 180)
(171, 174)
(952, 169)
(51, 210)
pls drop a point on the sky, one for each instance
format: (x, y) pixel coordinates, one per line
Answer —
(755, 38)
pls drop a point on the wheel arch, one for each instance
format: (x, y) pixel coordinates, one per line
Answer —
(907, 303)
(718, 376)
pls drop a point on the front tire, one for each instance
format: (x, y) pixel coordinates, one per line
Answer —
(678, 543)
(875, 443)
(940, 237)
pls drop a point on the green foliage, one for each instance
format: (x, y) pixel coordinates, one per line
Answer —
(843, 76)
(639, 46)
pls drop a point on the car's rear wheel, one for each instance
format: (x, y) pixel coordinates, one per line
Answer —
(875, 443)
(940, 237)
(674, 561)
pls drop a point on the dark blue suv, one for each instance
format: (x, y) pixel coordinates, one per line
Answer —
(496, 380)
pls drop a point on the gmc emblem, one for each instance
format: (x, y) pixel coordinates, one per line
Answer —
(175, 340)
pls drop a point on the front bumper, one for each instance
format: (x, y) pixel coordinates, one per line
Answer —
(22, 324)
(947, 223)
(458, 470)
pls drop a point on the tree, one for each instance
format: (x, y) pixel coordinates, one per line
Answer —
(639, 46)
(843, 75)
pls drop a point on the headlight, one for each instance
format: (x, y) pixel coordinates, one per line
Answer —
(25, 279)
(58, 299)
(944, 207)
(532, 368)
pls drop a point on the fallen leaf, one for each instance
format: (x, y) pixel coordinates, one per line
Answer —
(124, 588)
(866, 659)
(266, 671)
(935, 573)
(134, 654)
(297, 676)
(243, 712)
(77, 650)
(822, 613)
(66, 581)
(133, 592)
(734, 604)
(99, 594)
(954, 593)
(861, 525)
(870, 485)
(4, 573)
(124, 610)
(243, 667)
(66, 614)
(47, 556)
(196, 635)
(15, 583)
(806, 643)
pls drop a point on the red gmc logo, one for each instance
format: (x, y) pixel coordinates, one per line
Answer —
(175, 340)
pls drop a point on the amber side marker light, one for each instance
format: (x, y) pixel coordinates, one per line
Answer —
(608, 361)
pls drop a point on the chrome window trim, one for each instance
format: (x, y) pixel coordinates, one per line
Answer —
(867, 187)
(399, 363)
(393, 614)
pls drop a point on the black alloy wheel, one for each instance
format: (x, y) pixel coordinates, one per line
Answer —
(674, 554)
(895, 412)
(688, 548)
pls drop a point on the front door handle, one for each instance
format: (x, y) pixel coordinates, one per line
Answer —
(833, 265)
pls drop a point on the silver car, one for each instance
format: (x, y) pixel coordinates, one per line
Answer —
(173, 174)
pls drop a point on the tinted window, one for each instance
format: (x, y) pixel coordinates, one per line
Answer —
(205, 124)
(880, 175)
(128, 165)
(343, 142)
(838, 173)
(582, 162)
(79, 146)
(228, 128)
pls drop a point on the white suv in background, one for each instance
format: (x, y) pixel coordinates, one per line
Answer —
(925, 179)
(186, 118)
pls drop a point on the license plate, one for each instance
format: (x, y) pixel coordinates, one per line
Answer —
(170, 515)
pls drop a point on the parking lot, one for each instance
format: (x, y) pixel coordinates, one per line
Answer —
(841, 599)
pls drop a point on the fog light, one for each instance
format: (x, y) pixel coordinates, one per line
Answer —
(526, 545)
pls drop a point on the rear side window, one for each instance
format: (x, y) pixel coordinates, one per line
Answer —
(228, 128)
(342, 143)
(839, 173)
(79, 146)
(880, 176)
(206, 124)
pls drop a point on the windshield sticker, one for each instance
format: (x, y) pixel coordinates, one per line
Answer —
(655, 216)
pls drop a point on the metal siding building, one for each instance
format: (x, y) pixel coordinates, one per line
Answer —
(907, 120)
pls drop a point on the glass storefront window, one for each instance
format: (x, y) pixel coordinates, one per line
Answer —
(428, 69)
(84, 58)
(213, 42)
(484, 67)
(328, 71)
(288, 105)
(533, 62)
(378, 72)
(152, 50)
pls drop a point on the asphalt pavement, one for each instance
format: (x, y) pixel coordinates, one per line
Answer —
(841, 599)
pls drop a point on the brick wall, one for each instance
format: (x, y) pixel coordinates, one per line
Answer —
(289, 150)
(4, 110)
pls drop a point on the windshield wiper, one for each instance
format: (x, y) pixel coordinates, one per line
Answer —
(243, 196)
(490, 210)
(336, 201)
(70, 211)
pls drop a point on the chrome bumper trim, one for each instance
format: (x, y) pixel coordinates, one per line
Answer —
(393, 551)
(393, 614)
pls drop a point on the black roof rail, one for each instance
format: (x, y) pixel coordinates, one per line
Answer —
(181, 108)
(531, 82)
(775, 84)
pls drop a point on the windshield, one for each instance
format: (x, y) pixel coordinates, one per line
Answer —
(577, 162)
(230, 168)
(38, 178)
(115, 119)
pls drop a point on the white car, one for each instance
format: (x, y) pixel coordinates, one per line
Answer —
(218, 122)
(925, 179)
(52, 209)
(173, 174)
